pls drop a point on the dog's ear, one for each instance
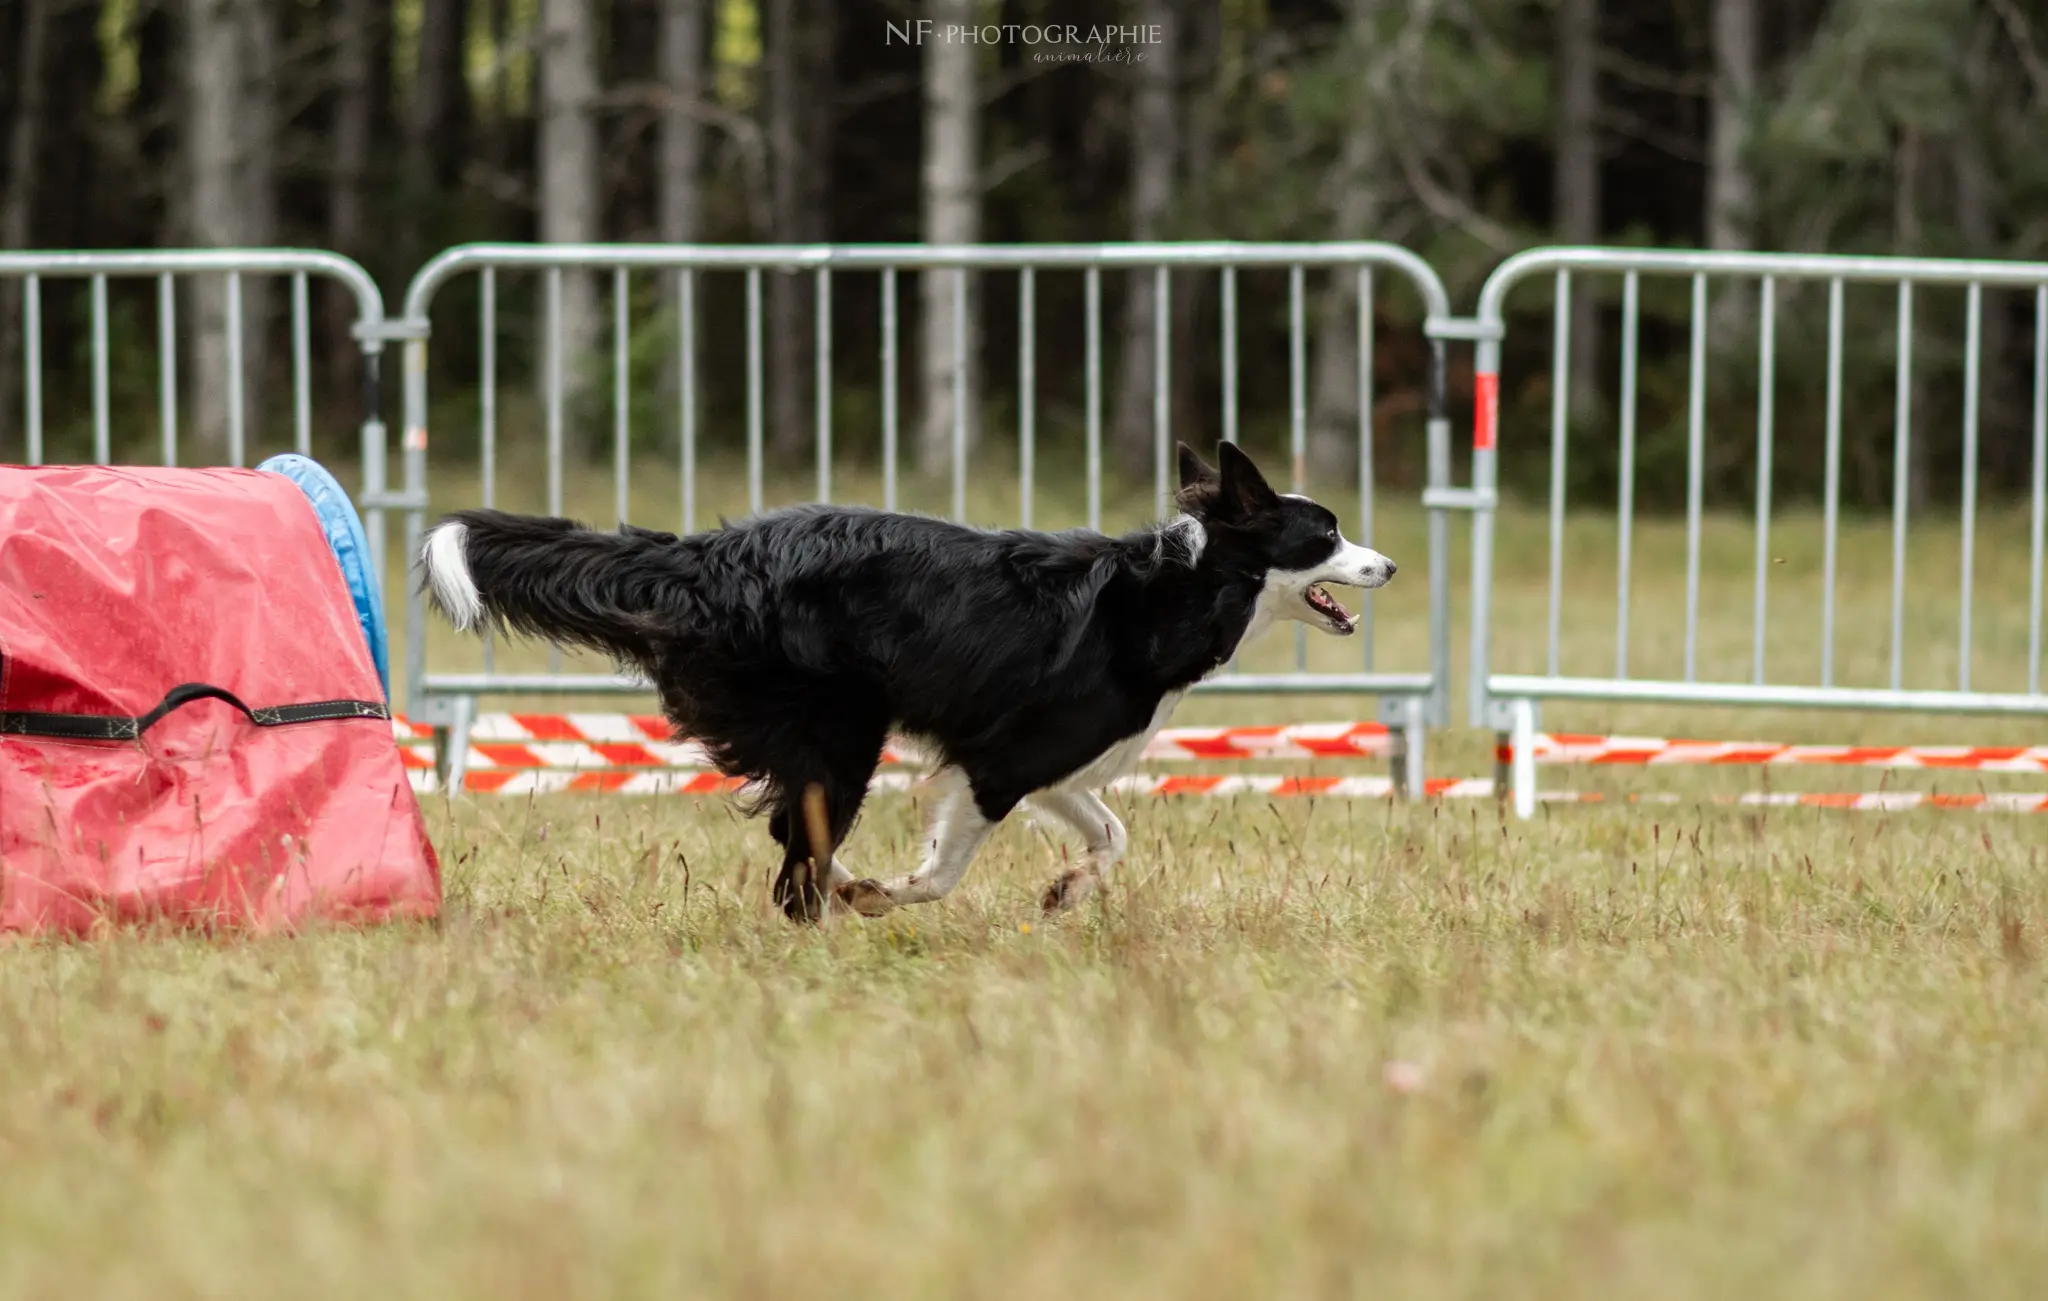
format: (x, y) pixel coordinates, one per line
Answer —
(1194, 471)
(1199, 483)
(1242, 484)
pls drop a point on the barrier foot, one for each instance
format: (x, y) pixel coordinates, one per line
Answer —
(451, 746)
(1522, 756)
(1409, 750)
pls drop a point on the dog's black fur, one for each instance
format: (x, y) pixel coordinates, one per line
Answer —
(790, 645)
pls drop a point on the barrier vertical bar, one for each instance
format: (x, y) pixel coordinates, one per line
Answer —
(1027, 392)
(102, 429)
(1093, 281)
(487, 415)
(1297, 410)
(1437, 525)
(1766, 420)
(2038, 516)
(302, 368)
(822, 381)
(167, 367)
(1162, 362)
(1832, 490)
(621, 417)
(487, 384)
(1630, 305)
(960, 391)
(1695, 471)
(889, 432)
(686, 345)
(1367, 488)
(1902, 459)
(554, 389)
(1485, 422)
(622, 434)
(373, 439)
(414, 450)
(236, 445)
(554, 414)
(1229, 328)
(1560, 409)
(1973, 370)
(754, 411)
(450, 742)
(32, 365)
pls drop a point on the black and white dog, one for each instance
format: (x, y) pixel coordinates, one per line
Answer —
(1031, 666)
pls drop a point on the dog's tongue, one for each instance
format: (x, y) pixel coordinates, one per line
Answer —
(1323, 601)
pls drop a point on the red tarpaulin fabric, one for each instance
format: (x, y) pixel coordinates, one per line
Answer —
(118, 586)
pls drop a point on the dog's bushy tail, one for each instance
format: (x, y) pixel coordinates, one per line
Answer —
(552, 578)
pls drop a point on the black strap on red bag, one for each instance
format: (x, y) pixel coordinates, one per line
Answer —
(128, 727)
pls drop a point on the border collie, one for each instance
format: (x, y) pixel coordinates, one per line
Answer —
(1033, 667)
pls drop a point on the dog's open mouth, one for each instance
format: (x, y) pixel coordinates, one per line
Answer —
(1326, 605)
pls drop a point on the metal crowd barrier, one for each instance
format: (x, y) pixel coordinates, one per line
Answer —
(299, 267)
(1412, 700)
(1509, 702)
(447, 697)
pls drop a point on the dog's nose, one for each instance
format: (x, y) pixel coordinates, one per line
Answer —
(1392, 569)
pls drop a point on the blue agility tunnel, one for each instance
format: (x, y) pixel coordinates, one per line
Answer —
(351, 547)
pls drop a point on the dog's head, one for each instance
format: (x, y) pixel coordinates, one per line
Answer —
(1294, 541)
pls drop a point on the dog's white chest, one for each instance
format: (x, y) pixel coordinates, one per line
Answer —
(1121, 758)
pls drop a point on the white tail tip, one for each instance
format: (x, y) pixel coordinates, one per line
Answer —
(448, 574)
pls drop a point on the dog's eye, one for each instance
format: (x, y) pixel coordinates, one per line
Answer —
(1331, 535)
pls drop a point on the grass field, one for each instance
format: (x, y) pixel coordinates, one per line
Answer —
(1299, 1049)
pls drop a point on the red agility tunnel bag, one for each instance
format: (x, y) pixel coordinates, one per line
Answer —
(191, 725)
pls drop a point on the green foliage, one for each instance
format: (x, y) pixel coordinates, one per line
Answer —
(1879, 126)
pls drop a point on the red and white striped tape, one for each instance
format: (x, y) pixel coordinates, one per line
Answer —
(1571, 748)
(506, 781)
(621, 782)
(587, 742)
(1867, 801)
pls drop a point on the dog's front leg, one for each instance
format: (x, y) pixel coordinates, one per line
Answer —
(1100, 830)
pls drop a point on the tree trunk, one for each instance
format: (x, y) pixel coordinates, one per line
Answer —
(679, 197)
(682, 132)
(952, 215)
(788, 351)
(348, 172)
(17, 201)
(1731, 186)
(437, 89)
(1155, 154)
(1906, 241)
(1356, 208)
(1576, 203)
(497, 137)
(820, 118)
(229, 139)
(568, 176)
(1193, 420)
(2003, 424)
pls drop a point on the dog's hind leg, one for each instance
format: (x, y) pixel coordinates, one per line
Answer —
(842, 775)
(797, 892)
(1101, 831)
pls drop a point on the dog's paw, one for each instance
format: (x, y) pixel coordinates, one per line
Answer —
(865, 896)
(1068, 889)
(796, 893)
